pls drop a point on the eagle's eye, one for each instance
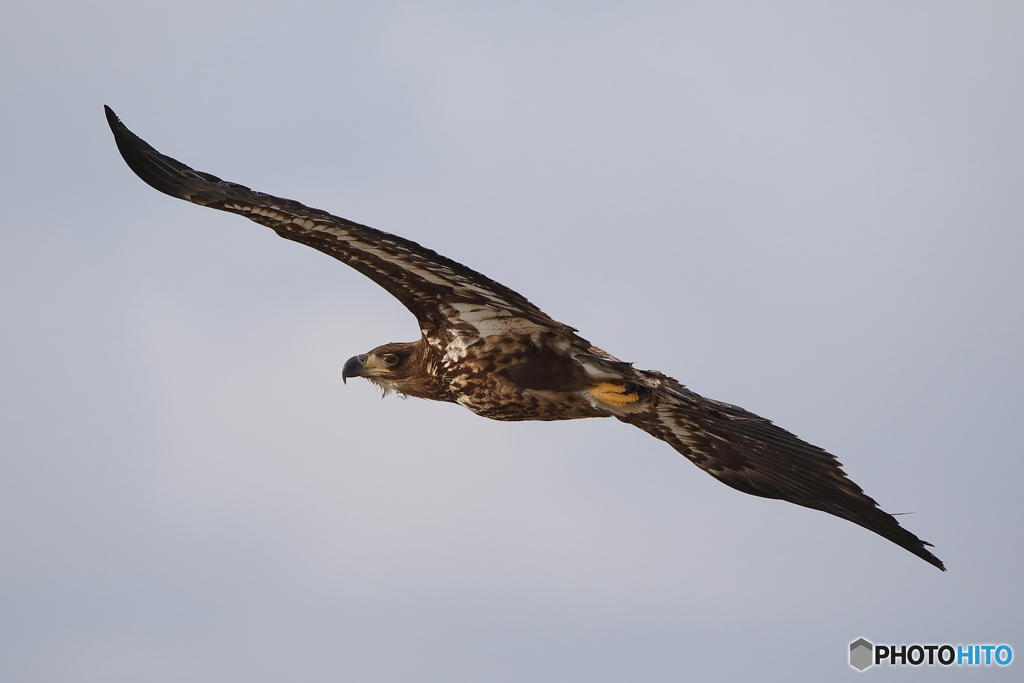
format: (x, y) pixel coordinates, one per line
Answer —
(390, 360)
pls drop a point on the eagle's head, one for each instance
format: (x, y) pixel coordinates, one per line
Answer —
(398, 367)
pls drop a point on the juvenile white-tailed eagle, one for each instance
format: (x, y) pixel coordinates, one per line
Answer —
(489, 349)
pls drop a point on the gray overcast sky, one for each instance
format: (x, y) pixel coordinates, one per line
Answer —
(809, 209)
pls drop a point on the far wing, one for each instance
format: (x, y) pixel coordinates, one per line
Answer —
(442, 294)
(752, 455)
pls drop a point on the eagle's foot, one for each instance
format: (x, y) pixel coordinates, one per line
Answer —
(614, 394)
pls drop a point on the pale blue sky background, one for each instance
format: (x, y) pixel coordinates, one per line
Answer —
(813, 210)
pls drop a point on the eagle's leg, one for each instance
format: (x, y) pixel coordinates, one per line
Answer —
(614, 394)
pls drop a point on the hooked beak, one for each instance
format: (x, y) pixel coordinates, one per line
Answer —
(353, 367)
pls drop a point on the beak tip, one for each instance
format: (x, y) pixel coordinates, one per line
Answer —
(353, 368)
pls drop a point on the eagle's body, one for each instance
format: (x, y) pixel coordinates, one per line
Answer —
(490, 350)
(510, 377)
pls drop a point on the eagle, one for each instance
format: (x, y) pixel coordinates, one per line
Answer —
(487, 348)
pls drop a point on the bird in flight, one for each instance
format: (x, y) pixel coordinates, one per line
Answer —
(487, 348)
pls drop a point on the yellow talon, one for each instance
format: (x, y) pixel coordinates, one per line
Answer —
(615, 394)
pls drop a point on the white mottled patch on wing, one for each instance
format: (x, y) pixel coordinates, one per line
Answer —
(486, 293)
(384, 254)
(456, 349)
(669, 416)
(491, 321)
(600, 372)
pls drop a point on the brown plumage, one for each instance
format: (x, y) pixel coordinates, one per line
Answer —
(487, 348)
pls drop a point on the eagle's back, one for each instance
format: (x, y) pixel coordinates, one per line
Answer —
(514, 377)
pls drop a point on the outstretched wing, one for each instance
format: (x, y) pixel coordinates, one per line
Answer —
(442, 294)
(752, 455)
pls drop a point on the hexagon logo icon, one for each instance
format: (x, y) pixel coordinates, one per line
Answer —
(861, 652)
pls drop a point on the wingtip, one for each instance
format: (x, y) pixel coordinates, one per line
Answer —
(117, 127)
(157, 170)
(112, 119)
(925, 554)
